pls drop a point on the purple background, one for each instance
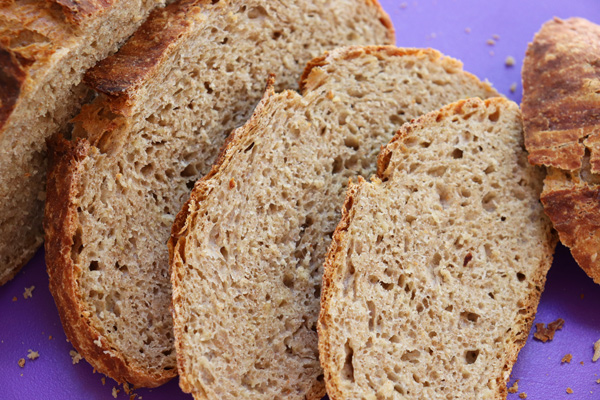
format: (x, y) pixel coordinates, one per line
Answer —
(570, 294)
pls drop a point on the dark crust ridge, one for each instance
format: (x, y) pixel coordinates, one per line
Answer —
(12, 78)
(575, 214)
(121, 75)
(336, 252)
(61, 226)
(76, 11)
(561, 81)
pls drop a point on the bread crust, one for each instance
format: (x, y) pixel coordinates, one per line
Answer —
(336, 253)
(60, 224)
(77, 11)
(12, 78)
(121, 75)
(561, 120)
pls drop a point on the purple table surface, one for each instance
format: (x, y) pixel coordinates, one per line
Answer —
(33, 323)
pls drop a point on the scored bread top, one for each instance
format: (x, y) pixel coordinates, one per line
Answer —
(247, 248)
(435, 271)
(198, 70)
(561, 94)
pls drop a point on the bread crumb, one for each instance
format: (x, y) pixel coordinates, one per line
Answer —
(492, 53)
(510, 61)
(569, 390)
(75, 356)
(490, 42)
(403, 6)
(513, 87)
(596, 351)
(581, 362)
(467, 30)
(103, 380)
(567, 358)
(581, 296)
(126, 387)
(21, 362)
(115, 392)
(545, 333)
(50, 337)
(515, 387)
(32, 355)
(28, 292)
(597, 380)
(496, 37)
(15, 298)
(98, 342)
(523, 395)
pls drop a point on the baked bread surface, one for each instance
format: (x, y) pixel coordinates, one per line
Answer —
(247, 249)
(561, 113)
(168, 99)
(435, 272)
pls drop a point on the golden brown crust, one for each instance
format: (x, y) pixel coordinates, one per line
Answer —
(575, 214)
(561, 94)
(336, 252)
(310, 74)
(61, 227)
(119, 76)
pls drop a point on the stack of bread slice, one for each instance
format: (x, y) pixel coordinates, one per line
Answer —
(167, 101)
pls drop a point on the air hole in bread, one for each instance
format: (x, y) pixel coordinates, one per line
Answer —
(411, 356)
(471, 356)
(457, 154)
(257, 13)
(495, 116)
(469, 316)
(397, 120)
(489, 203)
(444, 195)
(352, 142)
(520, 276)
(288, 280)
(94, 266)
(338, 164)
(348, 369)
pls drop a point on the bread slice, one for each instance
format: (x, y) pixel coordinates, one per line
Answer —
(247, 248)
(45, 48)
(434, 275)
(169, 97)
(561, 114)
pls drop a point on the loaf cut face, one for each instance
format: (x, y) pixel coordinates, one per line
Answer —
(45, 48)
(248, 247)
(434, 275)
(168, 99)
(561, 114)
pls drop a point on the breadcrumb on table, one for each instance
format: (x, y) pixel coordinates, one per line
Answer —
(32, 355)
(510, 61)
(28, 292)
(545, 332)
(567, 358)
(569, 390)
(513, 87)
(21, 362)
(596, 351)
(523, 395)
(75, 356)
(115, 392)
(515, 387)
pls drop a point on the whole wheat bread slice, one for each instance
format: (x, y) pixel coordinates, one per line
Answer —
(45, 48)
(247, 248)
(169, 97)
(561, 115)
(434, 275)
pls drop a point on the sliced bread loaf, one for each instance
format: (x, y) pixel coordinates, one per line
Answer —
(247, 248)
(561, 115)
(169, 97)
(434, 275)
(45, 48)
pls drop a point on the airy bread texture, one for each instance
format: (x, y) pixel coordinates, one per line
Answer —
(561, 114)
(434, 275)
(45, 48)
(170, 96)
(248, 247)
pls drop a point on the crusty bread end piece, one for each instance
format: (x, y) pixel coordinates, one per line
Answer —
(45, 48)
(248, 247)
(561, 115)
(168, 99)
(434, 275)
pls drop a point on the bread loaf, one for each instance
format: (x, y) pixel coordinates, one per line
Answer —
(45, 48)
(248, 247)
(435, 271)
(561, 114)
(168, 99)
